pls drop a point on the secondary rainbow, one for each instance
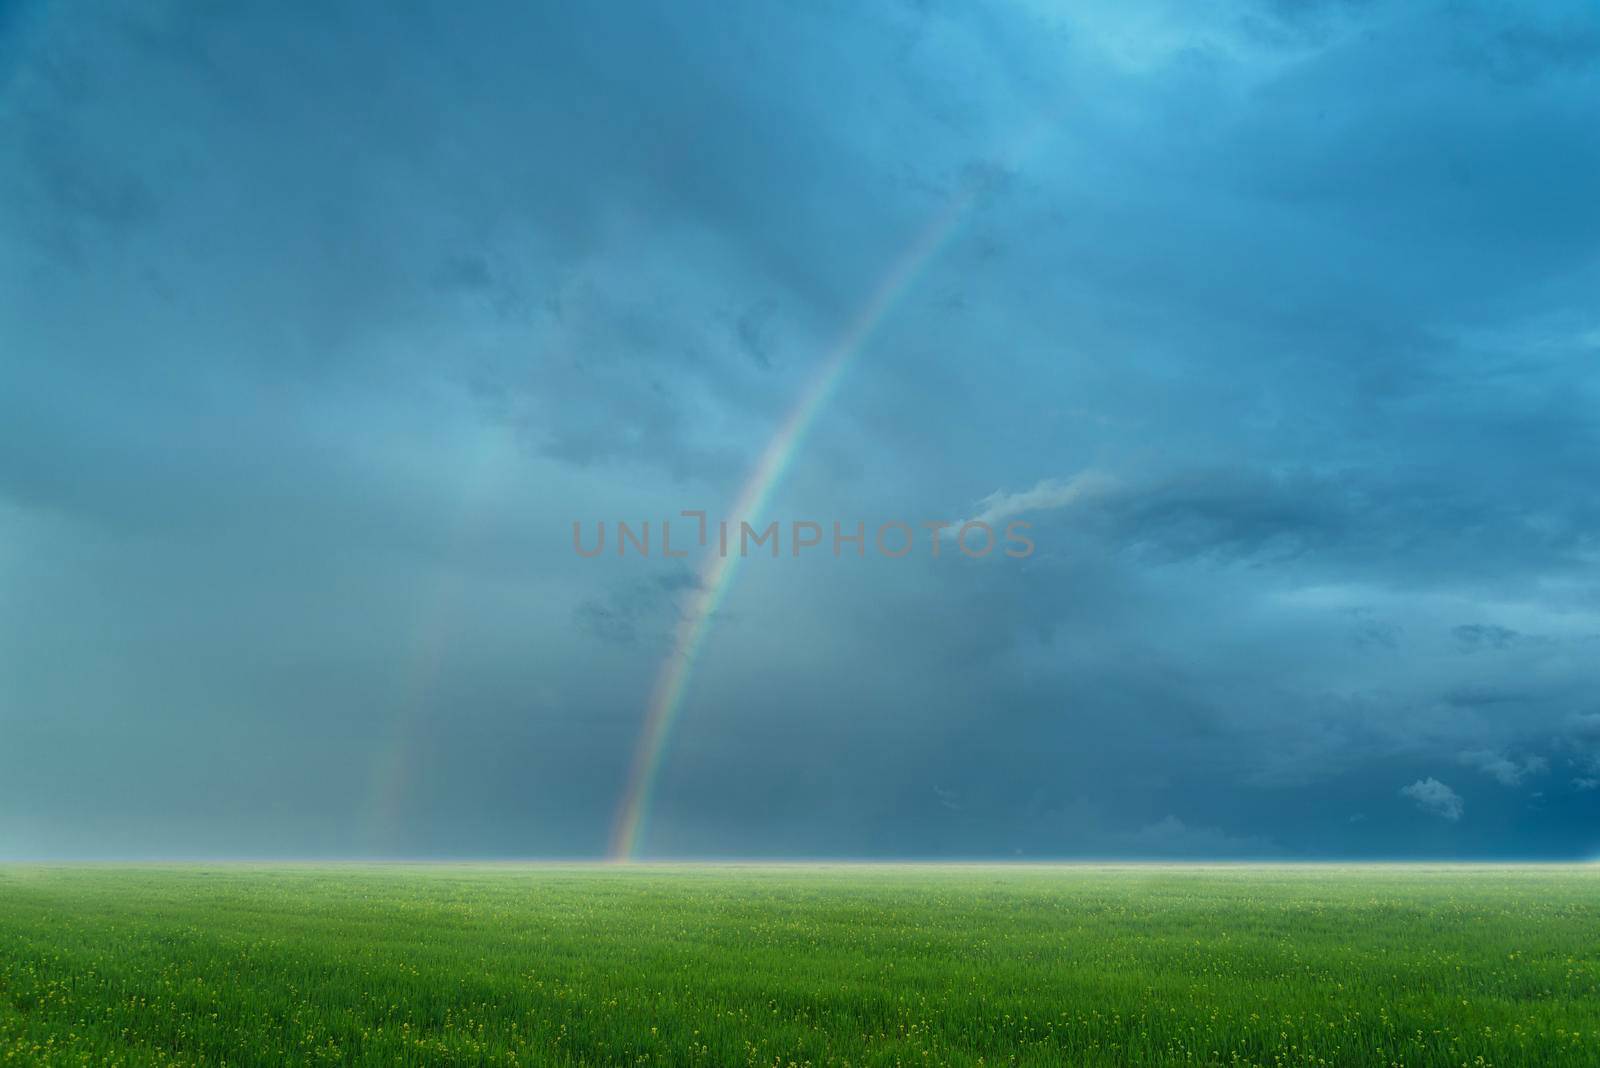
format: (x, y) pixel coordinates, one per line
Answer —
(717, 571)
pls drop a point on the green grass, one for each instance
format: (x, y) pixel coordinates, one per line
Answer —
(803, 965)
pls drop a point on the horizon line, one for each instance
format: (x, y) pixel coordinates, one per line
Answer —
(589, 861)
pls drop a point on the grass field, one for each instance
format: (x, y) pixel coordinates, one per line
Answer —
(804, 965)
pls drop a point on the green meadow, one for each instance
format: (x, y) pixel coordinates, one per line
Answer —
(871, 965)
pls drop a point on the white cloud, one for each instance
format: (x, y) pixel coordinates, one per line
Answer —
(1435, 797)
(1047, 494)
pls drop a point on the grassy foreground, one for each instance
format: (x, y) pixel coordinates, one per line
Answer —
(817, 965)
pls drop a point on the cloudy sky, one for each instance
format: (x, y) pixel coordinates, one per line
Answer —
(1277, 321)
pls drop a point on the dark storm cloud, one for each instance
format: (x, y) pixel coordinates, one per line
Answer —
(637, 608)
(320, 328)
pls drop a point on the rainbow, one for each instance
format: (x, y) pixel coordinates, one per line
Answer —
(717, 572)
(478, 479)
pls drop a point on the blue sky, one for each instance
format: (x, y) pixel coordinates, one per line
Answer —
(319, 329)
